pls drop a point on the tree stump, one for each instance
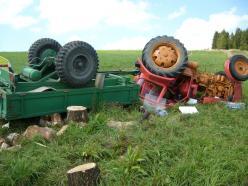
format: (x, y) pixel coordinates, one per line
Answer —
(84, 175)
(77, 114)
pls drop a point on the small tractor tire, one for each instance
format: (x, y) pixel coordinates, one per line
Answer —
(239, 67)
(41, 49)
(165, 56)
(76, 63)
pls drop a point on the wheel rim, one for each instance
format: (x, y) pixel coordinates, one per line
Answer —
(165, 56)
(79, 66)
(241, 67)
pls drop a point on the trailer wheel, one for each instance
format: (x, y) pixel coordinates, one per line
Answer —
(165, 56)
(41, 49)
(239, 67)
(76, 63)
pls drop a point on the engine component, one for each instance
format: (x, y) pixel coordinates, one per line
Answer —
(216, 85)
(221, 73)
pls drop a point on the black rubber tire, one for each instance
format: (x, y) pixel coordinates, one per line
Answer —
(39, 46)
(170, 72)
(73, 56)
(234, 73)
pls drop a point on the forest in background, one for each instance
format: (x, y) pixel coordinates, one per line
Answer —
(236, 40)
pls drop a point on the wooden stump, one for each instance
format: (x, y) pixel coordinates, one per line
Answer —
(77, 114)
(86, 174)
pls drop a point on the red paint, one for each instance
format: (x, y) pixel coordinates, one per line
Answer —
(237, 84)
(159, 86)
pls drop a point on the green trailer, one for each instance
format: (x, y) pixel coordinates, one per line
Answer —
(40, 88)
(37, 99)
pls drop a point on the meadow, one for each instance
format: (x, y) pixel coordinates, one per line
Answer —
(209, 148)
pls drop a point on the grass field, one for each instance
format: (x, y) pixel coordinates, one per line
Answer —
(124, 60)
(209, 148)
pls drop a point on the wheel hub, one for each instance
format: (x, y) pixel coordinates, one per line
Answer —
(79, 64)
(165, 56)
(241, 67)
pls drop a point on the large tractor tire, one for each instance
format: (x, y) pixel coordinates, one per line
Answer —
(165, 56)
(76, 63)
(42, 49)
(239, 67)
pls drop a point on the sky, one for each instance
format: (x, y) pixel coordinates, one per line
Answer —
(118, 24)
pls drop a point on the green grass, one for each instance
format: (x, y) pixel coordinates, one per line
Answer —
(209, 148)
(209, 61)
(116, 60)
(124, 60)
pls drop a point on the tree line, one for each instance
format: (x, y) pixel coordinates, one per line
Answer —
(237, 40)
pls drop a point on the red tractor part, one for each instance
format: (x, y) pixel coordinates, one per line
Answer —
(159, 86)
(237, 84)
(186, 86)
(167, 77)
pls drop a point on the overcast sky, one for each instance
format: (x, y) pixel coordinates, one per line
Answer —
(117, 24)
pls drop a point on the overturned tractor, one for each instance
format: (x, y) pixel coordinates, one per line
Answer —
(168, 77)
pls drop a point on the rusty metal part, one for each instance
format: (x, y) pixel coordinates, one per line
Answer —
(215, 85)
(241, 67)
(165, 56)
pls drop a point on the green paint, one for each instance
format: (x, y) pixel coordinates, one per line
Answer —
(22, 103)
(31, 73)
(47, 53)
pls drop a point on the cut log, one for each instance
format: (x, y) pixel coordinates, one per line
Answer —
(86, 174)
(77, 114)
